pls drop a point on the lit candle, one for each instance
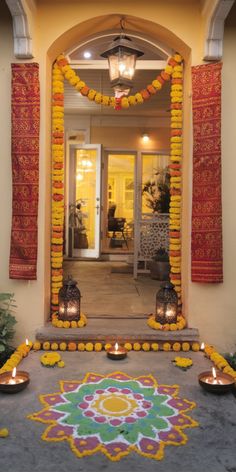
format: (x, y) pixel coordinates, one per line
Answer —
(116, 352)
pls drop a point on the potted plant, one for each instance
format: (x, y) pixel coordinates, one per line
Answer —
(157, 192)
(159, 266)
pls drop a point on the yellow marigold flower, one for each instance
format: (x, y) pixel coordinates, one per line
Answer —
(46, 346)
(80, 85)
(4, 433)
(54, 323)
(195, 347)
(98, 347)
(59, 324)
(73, 324)
(166, 347)
(146, 347)
(107, 346)
(156, 84)
(89, 347)
(36, 346)
(66, 324)
(62, 346)
(98, 97)
(81, 347)
(74, 80)
(176, 347)
(139, 97)
(128, 346)
(125, 102)
(136, 346)
(80, 323)
(155, 346)
(61, 364)
(185, 347)
(183, 362)
(54, 346)
(132, 100)
(173, 327)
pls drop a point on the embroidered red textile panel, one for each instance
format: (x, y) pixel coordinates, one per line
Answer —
(207, 264)
(25, 171)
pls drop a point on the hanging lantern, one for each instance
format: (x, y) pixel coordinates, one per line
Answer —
(69, 301)
(166, 304)
(121, 55)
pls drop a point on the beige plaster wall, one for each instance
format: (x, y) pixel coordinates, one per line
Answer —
(213, 307)
(29, 295)
(58, 26)
(131, 138)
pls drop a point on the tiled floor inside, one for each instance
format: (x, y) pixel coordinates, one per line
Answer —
(106, 292)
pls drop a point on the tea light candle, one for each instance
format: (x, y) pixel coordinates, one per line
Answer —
(13, 382)
(216, 382)
(116, 352)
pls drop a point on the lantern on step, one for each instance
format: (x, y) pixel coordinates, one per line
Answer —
(166, 304)
(122, 54)
(69, 301)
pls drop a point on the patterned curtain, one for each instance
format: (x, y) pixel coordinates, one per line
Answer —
(25, 171)
(207, 264)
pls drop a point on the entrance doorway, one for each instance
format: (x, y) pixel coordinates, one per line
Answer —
(84, 197)
(119, 202)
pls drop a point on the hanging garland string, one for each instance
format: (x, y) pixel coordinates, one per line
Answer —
(171, 70)
(61, 69)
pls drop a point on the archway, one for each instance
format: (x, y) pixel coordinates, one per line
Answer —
(175, 158)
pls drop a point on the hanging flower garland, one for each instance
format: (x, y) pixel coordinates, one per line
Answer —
(175, 168)
(57, 185)
(123, 102)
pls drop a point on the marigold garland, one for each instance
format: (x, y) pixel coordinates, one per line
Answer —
(57, 323)
(21, 351)
(219, 361)
(172, 68)
(180, 324)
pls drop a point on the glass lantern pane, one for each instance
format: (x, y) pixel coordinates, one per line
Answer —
(113, 67)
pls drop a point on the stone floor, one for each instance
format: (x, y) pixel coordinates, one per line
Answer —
(210, 447)
(109, 293)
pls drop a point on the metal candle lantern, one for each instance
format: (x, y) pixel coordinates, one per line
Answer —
(69, 301)
(166, 304)
(121, 55)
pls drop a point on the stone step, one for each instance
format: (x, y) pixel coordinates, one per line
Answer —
(111, 329)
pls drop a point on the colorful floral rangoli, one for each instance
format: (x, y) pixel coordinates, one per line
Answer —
(116, 414)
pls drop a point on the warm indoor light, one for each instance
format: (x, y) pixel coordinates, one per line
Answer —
(122, 54)
(145, 138)
(87, 55)
(79, 176)
(69, 301)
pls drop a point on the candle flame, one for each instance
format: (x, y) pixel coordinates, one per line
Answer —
(202, 346)
(13, 373)
(116, 346)
(214, 372)
(27, 342)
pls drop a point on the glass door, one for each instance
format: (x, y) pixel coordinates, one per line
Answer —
(84, 207)
(119, 196)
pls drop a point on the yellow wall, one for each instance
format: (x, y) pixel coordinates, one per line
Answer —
(59, 25)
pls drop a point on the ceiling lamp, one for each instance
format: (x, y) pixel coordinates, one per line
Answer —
(121, 55)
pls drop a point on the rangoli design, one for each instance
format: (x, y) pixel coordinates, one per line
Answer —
(116, 414)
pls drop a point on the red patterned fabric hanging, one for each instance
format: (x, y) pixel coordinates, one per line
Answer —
(207, 264)
(25, 170)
